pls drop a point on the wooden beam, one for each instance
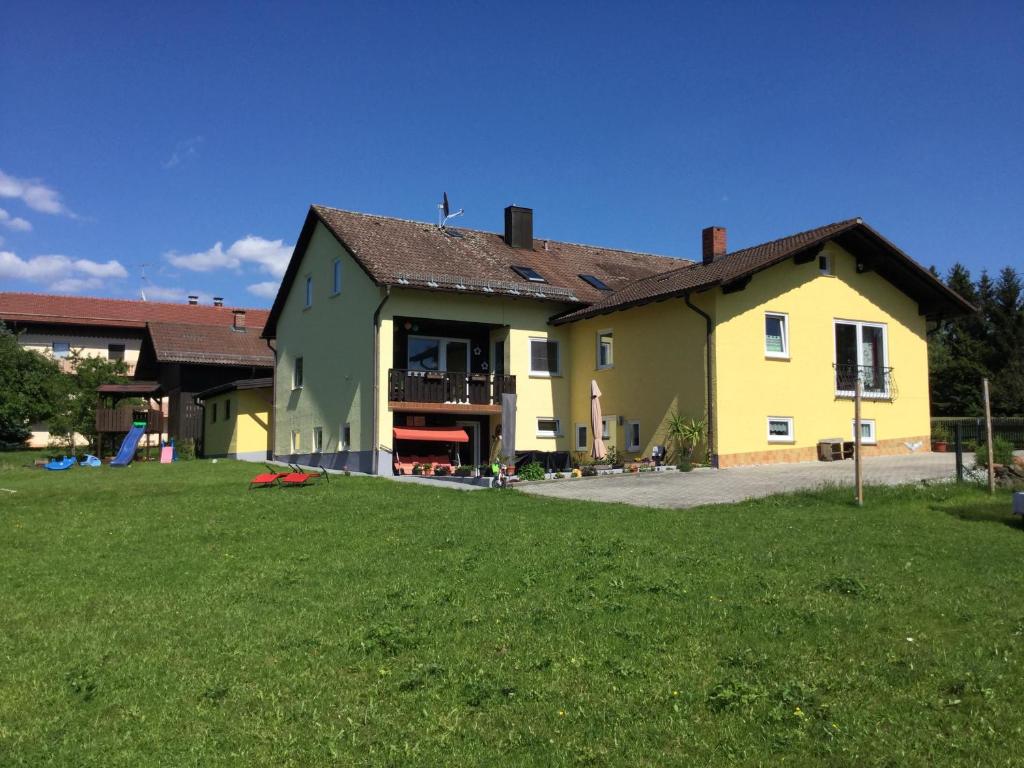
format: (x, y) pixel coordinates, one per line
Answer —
(456, 408)
(736, 285)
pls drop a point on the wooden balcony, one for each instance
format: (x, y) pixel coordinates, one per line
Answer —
(120, 419)
(447, 392)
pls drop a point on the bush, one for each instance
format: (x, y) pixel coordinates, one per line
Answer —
(465, 470)
(1002, 453)
(684, 465)
(532, 471)
(186, 449)
(441, 471)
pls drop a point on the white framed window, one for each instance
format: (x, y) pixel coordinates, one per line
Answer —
(605, 349)
(296, 440)
(346, 437)
(824, 264)
(309, 291)
(776, 335)
(606, 426)
(436, 353)
(544, 357)
(861, 349)
(547, 427)
(61, 349)
(336, 278)
(318, 439)
(632, 435)
(780, 429)
(867, 431)
(581, 437)
(297, 374)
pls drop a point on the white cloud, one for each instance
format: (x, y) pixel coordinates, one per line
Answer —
(270, 256)
(60, 273)
(16, 223)
(34, 194)
(163, 293)
(76, 285)
(267, 290)
(184, 150)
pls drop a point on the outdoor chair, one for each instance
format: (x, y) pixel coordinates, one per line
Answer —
(298, 478)
(267, 479)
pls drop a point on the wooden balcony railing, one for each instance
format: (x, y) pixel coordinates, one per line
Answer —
(120, 419)
(405, 386)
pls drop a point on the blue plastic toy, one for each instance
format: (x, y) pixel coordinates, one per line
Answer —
(90, 461)
(55, 465)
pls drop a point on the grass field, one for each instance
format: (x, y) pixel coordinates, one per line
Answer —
(163, 615)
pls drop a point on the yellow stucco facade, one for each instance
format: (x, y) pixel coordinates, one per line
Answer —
(750, 386)
(654, 363)
(237, 424)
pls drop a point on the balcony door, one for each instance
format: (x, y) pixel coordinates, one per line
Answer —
(861, 349)
(434, 353)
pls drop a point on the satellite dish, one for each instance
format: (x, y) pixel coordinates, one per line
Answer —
(444, 212)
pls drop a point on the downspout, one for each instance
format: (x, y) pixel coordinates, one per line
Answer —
(272, 427)
(376, 376)
(710, 329)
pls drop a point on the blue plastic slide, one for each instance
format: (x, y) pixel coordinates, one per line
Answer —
(127, 451)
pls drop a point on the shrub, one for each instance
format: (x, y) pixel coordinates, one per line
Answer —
(940, 433)
(532, 471)
(465, 470)
(684, 465)
(441, 471)
(1002, 453)
(588, 470)
(186, 449)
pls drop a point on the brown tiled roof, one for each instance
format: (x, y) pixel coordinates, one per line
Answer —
(853, 234)
(400, 252)
(116, 313)
(210, 344)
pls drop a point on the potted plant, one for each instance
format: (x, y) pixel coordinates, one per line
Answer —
(417, 469)
(940, 438)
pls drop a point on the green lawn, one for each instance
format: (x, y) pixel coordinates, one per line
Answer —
(164, 615)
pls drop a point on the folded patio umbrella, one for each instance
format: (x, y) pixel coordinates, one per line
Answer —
(596, 421)
(508, 426)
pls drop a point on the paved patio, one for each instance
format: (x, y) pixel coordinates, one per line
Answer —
(719, 486)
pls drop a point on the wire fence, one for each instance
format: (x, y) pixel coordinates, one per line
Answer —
(964, 434)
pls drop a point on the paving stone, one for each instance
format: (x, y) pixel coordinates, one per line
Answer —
(721, 486)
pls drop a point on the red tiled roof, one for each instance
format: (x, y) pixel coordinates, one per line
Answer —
(210, 344)
(853, 234)
(117, 313)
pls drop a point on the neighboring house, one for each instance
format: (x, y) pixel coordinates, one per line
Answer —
(236, 419)
(383, 323)
(185, 359)
(59, 326)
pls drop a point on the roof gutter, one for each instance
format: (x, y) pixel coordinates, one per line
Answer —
(272, 426)
(709, 332)
(376, 377)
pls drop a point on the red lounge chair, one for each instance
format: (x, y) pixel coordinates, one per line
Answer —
(299, 478)
(267, 479)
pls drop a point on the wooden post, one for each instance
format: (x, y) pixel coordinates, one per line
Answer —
(988, 439)
(858, 477)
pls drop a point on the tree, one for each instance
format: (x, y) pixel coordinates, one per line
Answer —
(32, 388)
(986, 344)
(78, 411)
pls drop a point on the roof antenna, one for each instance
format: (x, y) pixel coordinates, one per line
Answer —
(443, 212)
(142, 281)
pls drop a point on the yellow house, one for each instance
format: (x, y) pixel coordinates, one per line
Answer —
(236, 420)
(382, 323)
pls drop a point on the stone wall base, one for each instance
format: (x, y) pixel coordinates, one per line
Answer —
(894, 447)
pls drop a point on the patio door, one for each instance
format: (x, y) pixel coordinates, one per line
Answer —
(469, 453)
(432, 353)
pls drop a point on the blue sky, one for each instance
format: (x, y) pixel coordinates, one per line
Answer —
(189, 139)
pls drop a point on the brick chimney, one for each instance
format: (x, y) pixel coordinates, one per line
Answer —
(238, 319)
(193, 300)
(519, 226)
(218, 301)
(713, 243)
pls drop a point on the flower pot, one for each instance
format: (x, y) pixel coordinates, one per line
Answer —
(940, 446)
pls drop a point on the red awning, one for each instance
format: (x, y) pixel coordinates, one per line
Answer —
(433, 434)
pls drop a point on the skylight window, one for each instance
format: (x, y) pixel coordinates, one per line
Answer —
(529, 274)
(595, 281)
